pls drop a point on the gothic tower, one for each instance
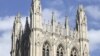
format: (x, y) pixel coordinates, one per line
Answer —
(55, 39)
(81, 27)
(36, 27)
(35, 14)
(16, 36)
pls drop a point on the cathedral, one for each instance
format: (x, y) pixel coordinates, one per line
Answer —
(54, 39)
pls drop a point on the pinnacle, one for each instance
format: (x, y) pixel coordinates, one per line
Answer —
(18, 14)
(53, 16)
(27, 25)
(26, 20)
(66, 18)
(80, 8)
(66, 21)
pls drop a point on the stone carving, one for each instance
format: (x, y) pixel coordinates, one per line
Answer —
(31, 39)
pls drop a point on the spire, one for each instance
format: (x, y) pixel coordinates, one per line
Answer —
(27, 25)
(80, 8)
(53, 18)
(66, 22)
(81, 27)
(17, 18)
(81, 22)
(81, 17)
(67, 25)
(16, 34)
(80, 12)
(17, 27)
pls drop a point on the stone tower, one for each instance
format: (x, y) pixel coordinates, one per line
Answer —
(53, 39)
(36, 27)
(16, 36)
(81, 27)
(35, 14)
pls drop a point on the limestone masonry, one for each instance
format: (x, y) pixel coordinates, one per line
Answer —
(39, 39)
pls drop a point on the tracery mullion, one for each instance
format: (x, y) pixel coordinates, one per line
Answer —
(59, 51)
(47, 52)
(45, 49)
(74, 52)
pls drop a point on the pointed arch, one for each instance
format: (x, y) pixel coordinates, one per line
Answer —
(60, 50)
(46, 49)
(74, 51)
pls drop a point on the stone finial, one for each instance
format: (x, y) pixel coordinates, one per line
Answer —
(19, 15)
(80, 8)
(18, 18)
(17, 27)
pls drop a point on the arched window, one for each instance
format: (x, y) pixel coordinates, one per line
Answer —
(46, 49)
(60, 50)
(74, 52)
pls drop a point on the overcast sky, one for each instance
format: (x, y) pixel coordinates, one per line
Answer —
(62, 8)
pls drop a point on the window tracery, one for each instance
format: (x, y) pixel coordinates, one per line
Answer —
(60, 50)
(74, 52)
(46, 49)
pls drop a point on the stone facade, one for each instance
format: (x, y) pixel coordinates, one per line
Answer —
(54, 39)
